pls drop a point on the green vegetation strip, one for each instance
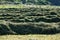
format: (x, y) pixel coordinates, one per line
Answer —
(11, 6)
(27, 6)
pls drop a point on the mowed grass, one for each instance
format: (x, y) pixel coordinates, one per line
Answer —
(27, 37)
(27, 6)
(11, 6)
(30, 37)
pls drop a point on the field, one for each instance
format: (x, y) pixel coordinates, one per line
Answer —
(30, 37)
(37, 22)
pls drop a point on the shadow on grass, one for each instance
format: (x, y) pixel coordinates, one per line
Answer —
(26, 29)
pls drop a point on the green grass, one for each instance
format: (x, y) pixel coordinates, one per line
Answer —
(11, 6)
(27, 6)
(30, 27)
(29, 20)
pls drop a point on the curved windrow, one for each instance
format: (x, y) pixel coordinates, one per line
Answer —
(30, 21)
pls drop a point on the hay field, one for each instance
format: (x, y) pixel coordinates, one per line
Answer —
(45, 18)
(30, 37)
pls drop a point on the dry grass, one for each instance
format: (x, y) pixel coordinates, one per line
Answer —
(30, 37)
